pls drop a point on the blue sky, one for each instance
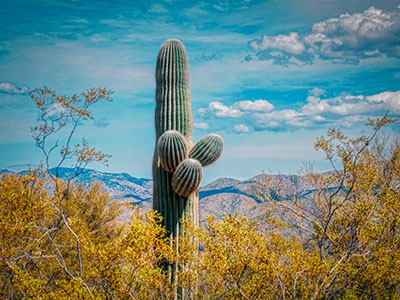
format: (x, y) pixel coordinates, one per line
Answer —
(269, 76)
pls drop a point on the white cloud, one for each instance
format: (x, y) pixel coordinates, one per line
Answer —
(202, 125)
(257, 105)
(237, 109)
(351, 105)
(242, 128)
(348, 121)
(201, 111)
(10, 88)
(344, 110)
(287, 116)
(316, 92)
(288, 43)
(372, 24)
(346, 39)
(295, 61)
(223, 111)
(390, 100)
(55, 110)
(362, 34)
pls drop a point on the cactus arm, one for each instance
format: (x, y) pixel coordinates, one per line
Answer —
(172, 150)
(187, 177)
(208, 149)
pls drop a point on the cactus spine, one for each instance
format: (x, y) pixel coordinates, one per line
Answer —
(177, 165)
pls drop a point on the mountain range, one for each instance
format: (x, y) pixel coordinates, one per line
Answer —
(220, 197)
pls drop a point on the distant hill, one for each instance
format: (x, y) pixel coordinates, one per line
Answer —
(220, 197)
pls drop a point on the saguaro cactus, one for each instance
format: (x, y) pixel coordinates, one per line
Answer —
(177, 164)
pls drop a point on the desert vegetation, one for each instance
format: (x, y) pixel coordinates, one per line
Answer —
(63, 240)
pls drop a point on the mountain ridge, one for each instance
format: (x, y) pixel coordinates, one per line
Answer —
(220, 197)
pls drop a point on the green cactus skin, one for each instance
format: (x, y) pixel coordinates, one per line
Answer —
(176, 177)
(173, 106)
(208, 149)
(173, 112)
(187, 177)
(172, 150)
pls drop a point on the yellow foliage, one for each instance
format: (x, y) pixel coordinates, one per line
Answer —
(61, 240)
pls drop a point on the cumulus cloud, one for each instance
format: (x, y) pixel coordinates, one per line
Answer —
(221, 110)
(237, 109)
(343, 105)
(288, 43)
(201, 111)
(242, 128)
(287, 116)
(352, 105)
(388, 100)
(201, 125)
(344, 110)
(10, 88)
(316, 92)
(257, 105)
(345, 39)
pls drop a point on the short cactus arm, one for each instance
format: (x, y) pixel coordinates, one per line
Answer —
(187, 177)
(208, 149)
(172, 150)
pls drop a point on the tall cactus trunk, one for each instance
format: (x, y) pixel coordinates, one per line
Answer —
(177, 164)
(173, 112)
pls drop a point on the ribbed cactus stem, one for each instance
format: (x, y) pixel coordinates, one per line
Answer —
(176, 177)
(173, 106)
(173, 112)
